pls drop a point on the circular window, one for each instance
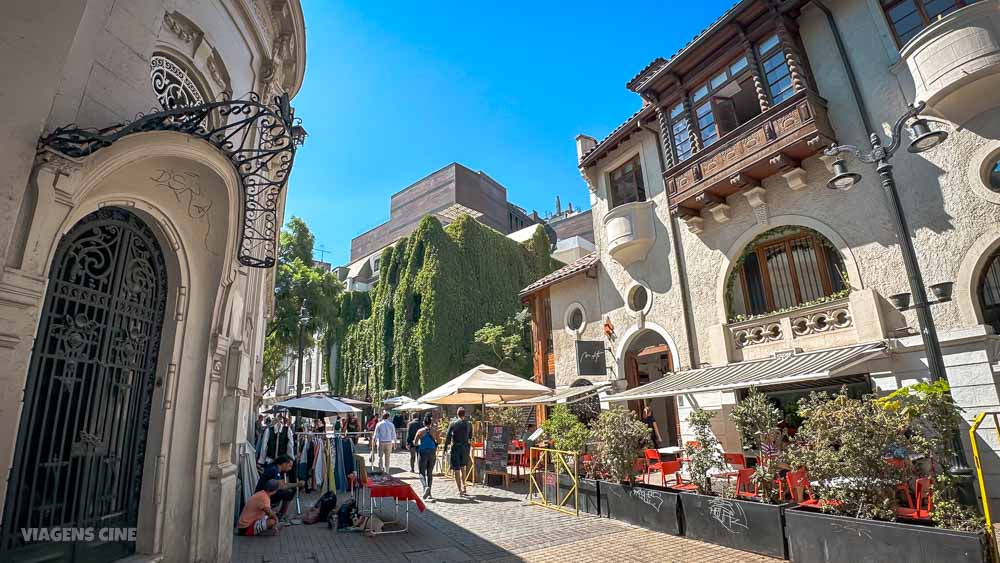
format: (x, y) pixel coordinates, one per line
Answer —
(638, 298)
(991, 176)
(575, 318)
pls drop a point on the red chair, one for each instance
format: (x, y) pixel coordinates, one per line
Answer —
(691, 444)
(735, 463)
(922, 496)
(745, 486)
(639, 469)
(798, 488)
(674, 468)
(653, 463)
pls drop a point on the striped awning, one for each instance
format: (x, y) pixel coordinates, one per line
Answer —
(565, 395)
(783, 368)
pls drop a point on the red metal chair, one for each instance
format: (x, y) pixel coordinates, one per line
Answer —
(653, 463)
(798, 488)
(922, 496)
(735, 463)
(745, 486)
(639, 469)
(692, 444)
(674, 468)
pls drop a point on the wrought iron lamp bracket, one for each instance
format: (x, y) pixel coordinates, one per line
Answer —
(879, 152)
(258, 138)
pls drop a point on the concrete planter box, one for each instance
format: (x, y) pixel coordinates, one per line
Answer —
(740, 524)
(824, 538)
(651, 507)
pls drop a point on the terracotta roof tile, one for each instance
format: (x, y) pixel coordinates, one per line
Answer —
(645, 107)
(567, 271)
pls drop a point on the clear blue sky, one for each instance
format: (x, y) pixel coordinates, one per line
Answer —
(395, 90)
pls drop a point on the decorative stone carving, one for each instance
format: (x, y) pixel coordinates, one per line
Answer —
(181, 27)
(695, 224)
(720, 212)
(760, 333)
(826, 320)
(796, 178)
(755, 197)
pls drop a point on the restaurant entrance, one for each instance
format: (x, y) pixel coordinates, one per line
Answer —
(648, 358)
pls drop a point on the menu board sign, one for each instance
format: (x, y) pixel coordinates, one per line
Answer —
(497, 442)
(590, 357)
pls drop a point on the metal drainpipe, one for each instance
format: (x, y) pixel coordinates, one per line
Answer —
(679, 253)
(848, 67)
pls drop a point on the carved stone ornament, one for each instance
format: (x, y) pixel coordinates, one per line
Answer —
(181, 28)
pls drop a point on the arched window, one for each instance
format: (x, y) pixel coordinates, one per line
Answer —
(989, 293)
(784, 268)
(172, 85)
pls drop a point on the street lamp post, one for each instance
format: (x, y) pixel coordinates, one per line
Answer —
(303, 319)
(367, 365)
(923, 139)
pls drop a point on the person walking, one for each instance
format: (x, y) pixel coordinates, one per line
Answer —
(411, 434)
(425, 441)
(459, 433)
(385, 440)
(654, 429)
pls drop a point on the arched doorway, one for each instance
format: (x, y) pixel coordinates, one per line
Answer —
(647, 359)
(989, 292)
(82, 434)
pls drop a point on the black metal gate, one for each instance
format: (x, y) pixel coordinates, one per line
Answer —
(82, 434)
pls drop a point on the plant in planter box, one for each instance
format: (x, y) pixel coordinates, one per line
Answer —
(566, 430)
(844, 443)
(705, 453)
(510, 417)
(757, 421)
(621, 439)
(934, 420)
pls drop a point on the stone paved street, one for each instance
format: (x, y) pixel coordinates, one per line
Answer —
(493, 525)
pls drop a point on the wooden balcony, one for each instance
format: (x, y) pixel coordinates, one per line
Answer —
(773, 142)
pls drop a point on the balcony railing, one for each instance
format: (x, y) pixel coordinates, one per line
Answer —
(775, 141)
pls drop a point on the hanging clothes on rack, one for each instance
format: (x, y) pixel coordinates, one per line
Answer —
(278, 440)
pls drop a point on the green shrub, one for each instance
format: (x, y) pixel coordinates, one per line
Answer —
(757, 421)
(566, 430)
(621, 439)
(704, 452)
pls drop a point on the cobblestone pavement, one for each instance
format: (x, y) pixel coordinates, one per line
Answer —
(493, 525)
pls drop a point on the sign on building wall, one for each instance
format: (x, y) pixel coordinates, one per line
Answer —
(590, 357)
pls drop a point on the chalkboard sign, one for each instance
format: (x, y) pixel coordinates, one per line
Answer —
(497, 442)
(590, 357)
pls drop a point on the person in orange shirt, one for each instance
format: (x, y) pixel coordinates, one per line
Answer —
(257, 517)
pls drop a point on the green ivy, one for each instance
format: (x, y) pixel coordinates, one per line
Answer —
(436, 289)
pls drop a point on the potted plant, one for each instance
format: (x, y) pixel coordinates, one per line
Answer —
(712, 514)
(621, 439)
(857, 451)
(568, 434)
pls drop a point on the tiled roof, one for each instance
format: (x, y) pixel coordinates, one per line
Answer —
(567, 271)
(658, 64)
(645, 107)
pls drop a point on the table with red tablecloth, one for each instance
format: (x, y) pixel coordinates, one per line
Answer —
(385, 486)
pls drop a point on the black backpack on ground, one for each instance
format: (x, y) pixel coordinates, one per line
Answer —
(343, 517)
(327, 504)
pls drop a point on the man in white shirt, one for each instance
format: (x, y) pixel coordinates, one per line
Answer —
(385, 439)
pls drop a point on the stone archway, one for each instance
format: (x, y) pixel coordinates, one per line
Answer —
(89, 389)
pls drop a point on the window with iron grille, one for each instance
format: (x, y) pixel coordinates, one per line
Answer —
(907, 17)
(625, 183)
(989, 293)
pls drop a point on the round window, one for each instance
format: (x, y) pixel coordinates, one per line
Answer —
(638, 298)
(992, 174)
(575, 319)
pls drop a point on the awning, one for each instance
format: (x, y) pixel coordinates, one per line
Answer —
(653, 351)
(565, 395)
(782, 368)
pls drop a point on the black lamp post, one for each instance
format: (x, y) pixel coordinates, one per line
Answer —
(303, 319)
(367, 365)
(923, 139)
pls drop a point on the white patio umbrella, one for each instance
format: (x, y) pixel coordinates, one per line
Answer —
(353, 402)
(394, 402)
(484, 384)
(416, 406)
(316, 406)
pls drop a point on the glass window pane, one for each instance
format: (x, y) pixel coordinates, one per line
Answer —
(739, 65)
(768, 44)
(905, 20)
(779, 82)
(755, 286)
(678, 109)
(700, 92)
(938, 8)
(718, 80)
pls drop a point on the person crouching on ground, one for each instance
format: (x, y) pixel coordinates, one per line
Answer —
(275, 471)
(425, 442)
(459, 432)
(385, 440)
(257, 518)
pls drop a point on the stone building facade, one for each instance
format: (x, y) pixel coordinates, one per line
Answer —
(132, 301)
(723, 260)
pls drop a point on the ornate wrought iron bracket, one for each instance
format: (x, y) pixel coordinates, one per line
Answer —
(259, 138)
(880, 152)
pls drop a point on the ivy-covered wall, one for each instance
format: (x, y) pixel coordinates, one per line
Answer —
(435, 289)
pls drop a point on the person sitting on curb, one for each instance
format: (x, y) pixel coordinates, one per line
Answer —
(286, 491)
(257, 518)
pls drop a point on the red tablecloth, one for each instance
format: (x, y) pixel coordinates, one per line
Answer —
(393, 488)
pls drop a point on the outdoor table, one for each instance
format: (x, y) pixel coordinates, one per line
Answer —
(669, 453)
(384, 486)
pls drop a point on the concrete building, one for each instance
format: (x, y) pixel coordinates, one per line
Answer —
(313, 380)
(724, 261)
(446, 194)
(136, 284)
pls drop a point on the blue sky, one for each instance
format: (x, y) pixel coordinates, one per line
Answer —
(395, 90)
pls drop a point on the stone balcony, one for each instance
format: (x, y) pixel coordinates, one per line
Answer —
(862, 317)
(630, 231)
(774, 142)
(955, 63)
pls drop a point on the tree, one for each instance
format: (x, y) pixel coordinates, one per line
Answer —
(704, 452)
(621, 438)
(298, 282)
(502, 346)
(757, 421)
